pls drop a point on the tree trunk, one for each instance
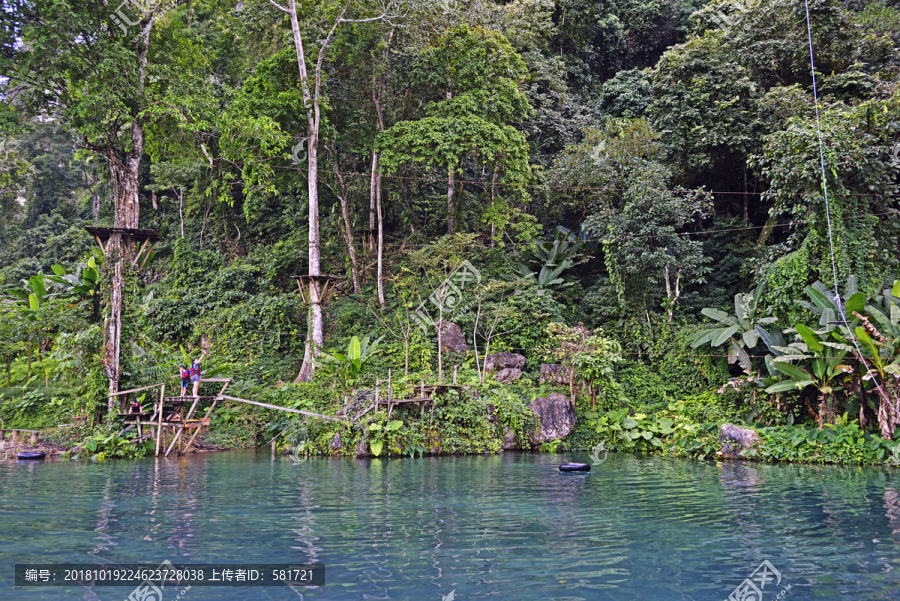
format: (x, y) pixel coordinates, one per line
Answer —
(450, 206)
(380, 273)
(493, 195)
(348, 222)
(95, 204)
(746, 198)
(372, 186)
(181, 210)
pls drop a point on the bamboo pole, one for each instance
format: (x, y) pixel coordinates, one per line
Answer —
(209, 411)
(162, 402)
(181, 427)
(121, 392)
(268, 406)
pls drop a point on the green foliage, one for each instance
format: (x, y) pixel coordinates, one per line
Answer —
(347, 368)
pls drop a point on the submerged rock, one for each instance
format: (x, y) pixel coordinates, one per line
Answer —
(509, 375)
(557, 415)
(504, 360)
(554, 374)
(734, 439)
(452, 339)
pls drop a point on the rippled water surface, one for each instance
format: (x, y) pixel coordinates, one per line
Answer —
(493, 527)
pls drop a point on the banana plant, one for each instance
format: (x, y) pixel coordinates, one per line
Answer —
(347, 368)
(551, 259)
(831, 315)
(826, 355)
(744, 322)
(888, 317)
(84, 282)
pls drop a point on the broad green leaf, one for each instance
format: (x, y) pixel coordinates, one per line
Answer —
(869, 345)
(739, 310)
(789, 385)
(818, 367)
(720, 316)
(810, 338)
(857, 303)
(354, 350)
(751, 337)
(394, 425)
(895, 290)
(771, 340)
(629, 423)
(757, 294)
(33, 302)
(58, 269)
(376, 446)
(724, 335)
(37, 284)
(820, 300)
(792, 371)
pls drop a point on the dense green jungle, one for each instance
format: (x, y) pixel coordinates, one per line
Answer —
(602, 225)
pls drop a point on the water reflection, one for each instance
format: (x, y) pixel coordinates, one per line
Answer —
(503, 527)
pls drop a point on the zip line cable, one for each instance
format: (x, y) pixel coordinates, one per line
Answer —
(486, 184)
(837, 294)
(645, 236)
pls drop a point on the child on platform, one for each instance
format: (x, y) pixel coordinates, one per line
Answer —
(185, 379)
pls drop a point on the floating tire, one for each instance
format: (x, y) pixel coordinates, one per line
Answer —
(33, 456)
(575, 467)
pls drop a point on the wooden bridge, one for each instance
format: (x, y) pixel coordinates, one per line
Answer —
(168, 416)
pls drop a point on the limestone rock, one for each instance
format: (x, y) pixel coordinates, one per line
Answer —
(734, 439)
(509, 440)
(554, 374)
(508, 375)
(452, 339)
(336, 442)
(362, 449)
(557, 416)
(504, 360)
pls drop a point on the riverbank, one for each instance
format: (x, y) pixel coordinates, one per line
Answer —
(479, 419)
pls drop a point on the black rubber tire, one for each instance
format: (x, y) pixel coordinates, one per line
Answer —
(38, 455)
(575, 467)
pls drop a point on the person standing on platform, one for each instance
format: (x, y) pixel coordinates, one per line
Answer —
(195, 374)
(185, 379)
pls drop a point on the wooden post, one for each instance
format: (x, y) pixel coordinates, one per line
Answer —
(15, 436)
(390, 388)
(273, 448)
(35, 437)
(162, 404)
(181, 425)
(455, 367)
(200, 429)
(422, 389)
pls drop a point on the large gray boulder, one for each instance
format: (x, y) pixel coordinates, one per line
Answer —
(508, 375)
(557, 415)
(504, 360)
(735, 439)
(509, 440)
(452, 339)
(362, 449)
(554, 374)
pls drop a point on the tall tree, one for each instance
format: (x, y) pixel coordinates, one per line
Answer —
(84, 62)
(472, 77)
(311, 86)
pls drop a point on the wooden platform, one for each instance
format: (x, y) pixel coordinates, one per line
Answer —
(185, 399)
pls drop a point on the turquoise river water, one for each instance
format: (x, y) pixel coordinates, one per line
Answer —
(501, 527)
